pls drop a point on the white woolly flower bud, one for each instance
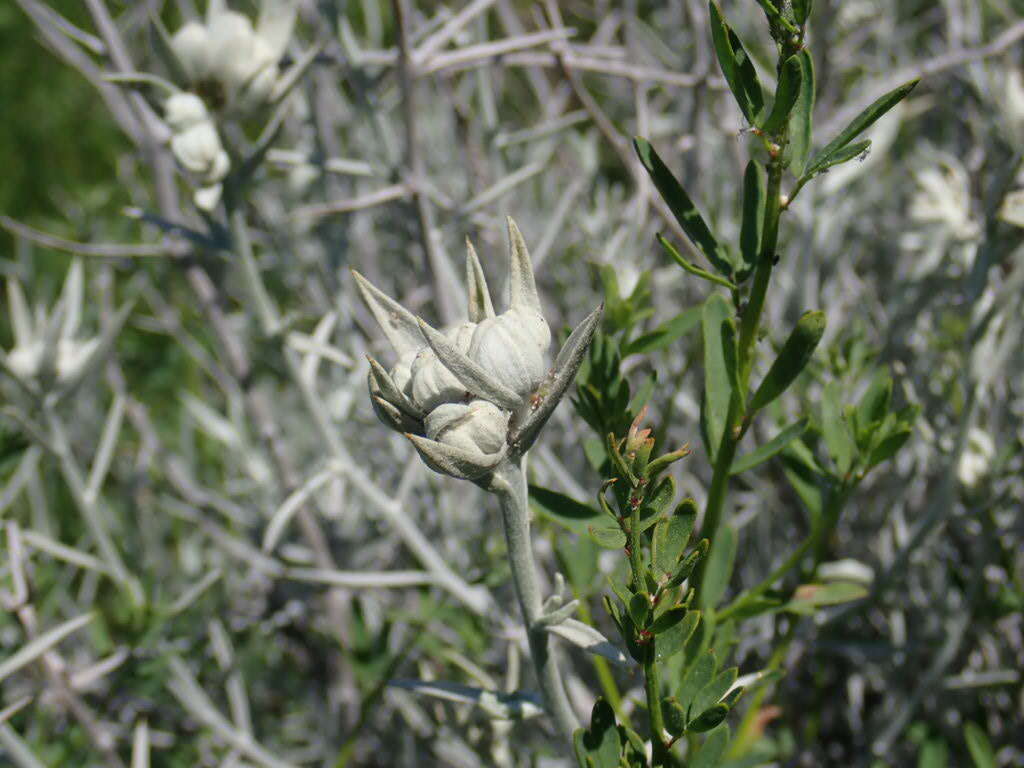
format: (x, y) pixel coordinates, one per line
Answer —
(512, 347)
(431, 383)
(196, 144)
(233, 63)
(71, 355)
(474, 426)
(475, 394)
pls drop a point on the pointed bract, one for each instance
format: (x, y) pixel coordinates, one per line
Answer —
(474, 378)
(522, 287)
(480, 306)
(532, 417)
(21, 318)
(386, 387)
(71, 298)
(457, 462)
(396, 321)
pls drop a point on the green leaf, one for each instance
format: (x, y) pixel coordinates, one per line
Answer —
(979, 747)
(600, 743)
(858, 125)
(711, 752)
(737, 66)
(793, 357)
(934, 754)
(730, 355)
(692, 268)
(709, 718)
(840, 442)
(774, 446)
(675, 716)
(659, 500)
(640, 609)
(786, 95)
(846, 154)
(801, 119)
(607, 537)
(802, 11)
(673, 629)
(874, 404)
(719, 567)
(665, 334)
(566, 512)
(688, 563)
(712, 693)
(755, 193)
(808, 598)
(682, 207)
(889, 445)
(668, 542)
(717, 386)
(700, 673)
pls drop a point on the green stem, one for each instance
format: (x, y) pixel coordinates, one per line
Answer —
(605, 678)
(510, 488)
(652, 685)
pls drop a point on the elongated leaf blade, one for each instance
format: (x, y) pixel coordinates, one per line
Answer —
(683, 208)
(763, 453)
(717, 382)
(737, 66)
(692, 268)
(859, 124)
(755, 193)
(786, 95)
(793, 357)
(801, 119)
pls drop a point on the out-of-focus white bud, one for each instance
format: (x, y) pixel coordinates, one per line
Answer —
(196, 144)
(231, 62)
(1012, 209)
(944, 198)
(976, 458)
(1013, 106)
(847, 570)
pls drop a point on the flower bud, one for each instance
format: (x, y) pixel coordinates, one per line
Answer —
(475, 426)
(431, 383)
(512, 346)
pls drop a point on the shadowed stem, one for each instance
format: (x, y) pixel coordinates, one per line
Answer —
(510, 488)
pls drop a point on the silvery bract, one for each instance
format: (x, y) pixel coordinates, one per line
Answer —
(232, 64)
(976, 459)
(47, 350)
(469, 396)
(197, 146)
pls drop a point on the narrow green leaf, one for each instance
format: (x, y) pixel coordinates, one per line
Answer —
(674, 629)
(764, 452)
(841, 446)
(934, 754)
(665, 334)
(755, 192)
(846, 154)
(786, 95)
(682, 207)
(660, 498)
(709, 718)
(717, 386)
(730, 355)
(699, 674)
(719, 567)
(600, 743)
(859, 124)
(668, 543)
(675, 716)
(713, 692)
(793, 356)
(808, 598)
(737, 66)
(802, 11)
(979, 747)
(874, 404)
(693, 269)
(711, 751)
(640, 609)
(567, 512)
(801, 119)
(889, 445)
(607, 537)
